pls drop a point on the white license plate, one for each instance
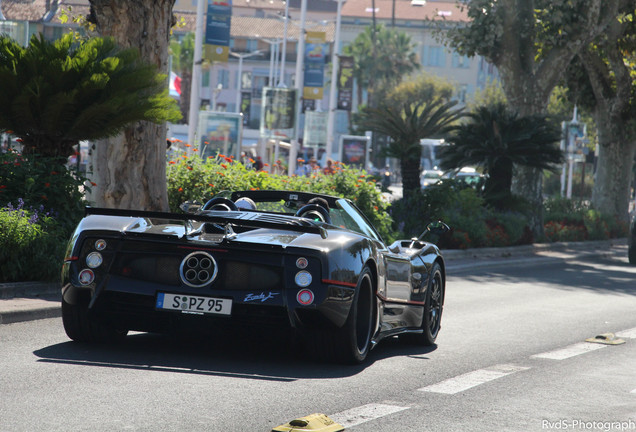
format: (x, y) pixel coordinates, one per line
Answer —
(194, 304)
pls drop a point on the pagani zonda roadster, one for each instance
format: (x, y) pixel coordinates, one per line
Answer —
(289, 259)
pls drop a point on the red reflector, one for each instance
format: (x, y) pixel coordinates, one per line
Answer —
(73, 258)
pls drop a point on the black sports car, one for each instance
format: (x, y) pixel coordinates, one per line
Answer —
(309, 262)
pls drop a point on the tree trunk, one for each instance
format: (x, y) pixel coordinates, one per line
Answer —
(528, 95)
(410, 175)
(130, 170)
(611, 192)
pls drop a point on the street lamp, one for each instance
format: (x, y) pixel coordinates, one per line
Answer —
(335, 60)
(240, 72)
(195, 101)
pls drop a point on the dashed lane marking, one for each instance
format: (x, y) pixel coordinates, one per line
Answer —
(627, 334)
(472, 379)
(365, 413)
(570, 351)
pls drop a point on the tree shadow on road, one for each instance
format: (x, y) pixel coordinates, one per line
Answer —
(610, 274)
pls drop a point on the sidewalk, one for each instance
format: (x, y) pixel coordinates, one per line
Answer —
(26, 301)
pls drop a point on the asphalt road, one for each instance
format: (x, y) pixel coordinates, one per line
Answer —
(511, 357)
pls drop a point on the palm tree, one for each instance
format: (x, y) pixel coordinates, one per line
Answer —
(410, 112)
(55, 94)
(496, 138)
(393, 47)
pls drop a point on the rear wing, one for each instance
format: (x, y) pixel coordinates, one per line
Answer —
(223, 218)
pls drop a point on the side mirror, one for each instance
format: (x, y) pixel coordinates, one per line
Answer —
(437, 229)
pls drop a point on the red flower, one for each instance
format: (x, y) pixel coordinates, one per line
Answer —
(3, 186)
(47, 185)
(188, 145)
(190, 168)
(224, 166)
(180, 190)
(93, 184)
(172, 162)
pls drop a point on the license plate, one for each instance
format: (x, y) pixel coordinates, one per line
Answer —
(194, 304)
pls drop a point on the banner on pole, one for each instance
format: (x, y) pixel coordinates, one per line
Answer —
(315, 50)
(217, 30)
(345, 83)
(278, 115)
(315, 133)
(246, 107)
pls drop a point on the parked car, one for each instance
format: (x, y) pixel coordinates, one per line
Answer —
(312, 263)
(631, 251)
(430, 177)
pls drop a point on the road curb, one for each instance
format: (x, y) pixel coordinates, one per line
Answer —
(10, 317)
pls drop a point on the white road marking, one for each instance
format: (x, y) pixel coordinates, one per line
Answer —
(570, 351)
(627, 334)
(365, 413)
(473, 379)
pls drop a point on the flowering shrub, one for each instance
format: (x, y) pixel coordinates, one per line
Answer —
(574, 220)
(191, 178)
(42, 182)
(32, 244)
(559, 232)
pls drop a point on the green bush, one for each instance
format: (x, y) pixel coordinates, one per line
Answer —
(191, 178)
(32, 245)
(42, 183)
(575, 220)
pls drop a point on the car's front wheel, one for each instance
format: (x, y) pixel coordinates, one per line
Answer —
(82, 328)
(433, 307)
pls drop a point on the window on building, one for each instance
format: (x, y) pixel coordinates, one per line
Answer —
(246, 80)
(460, 61)
(433, 55)
(205, 78)
(223, 78)
(251, 45)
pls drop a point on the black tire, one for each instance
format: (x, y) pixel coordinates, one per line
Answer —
(631, 254)
(80, 328)
(433, 308)
(351, 343)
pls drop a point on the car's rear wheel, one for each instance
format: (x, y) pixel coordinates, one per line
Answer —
(433, 307)
(82, 328)
(351, 343)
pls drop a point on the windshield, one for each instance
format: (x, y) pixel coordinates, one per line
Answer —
(347, 216)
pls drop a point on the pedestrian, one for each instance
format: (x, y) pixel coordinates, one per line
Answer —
(258, 164)
(329, 168)
(313, 166)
